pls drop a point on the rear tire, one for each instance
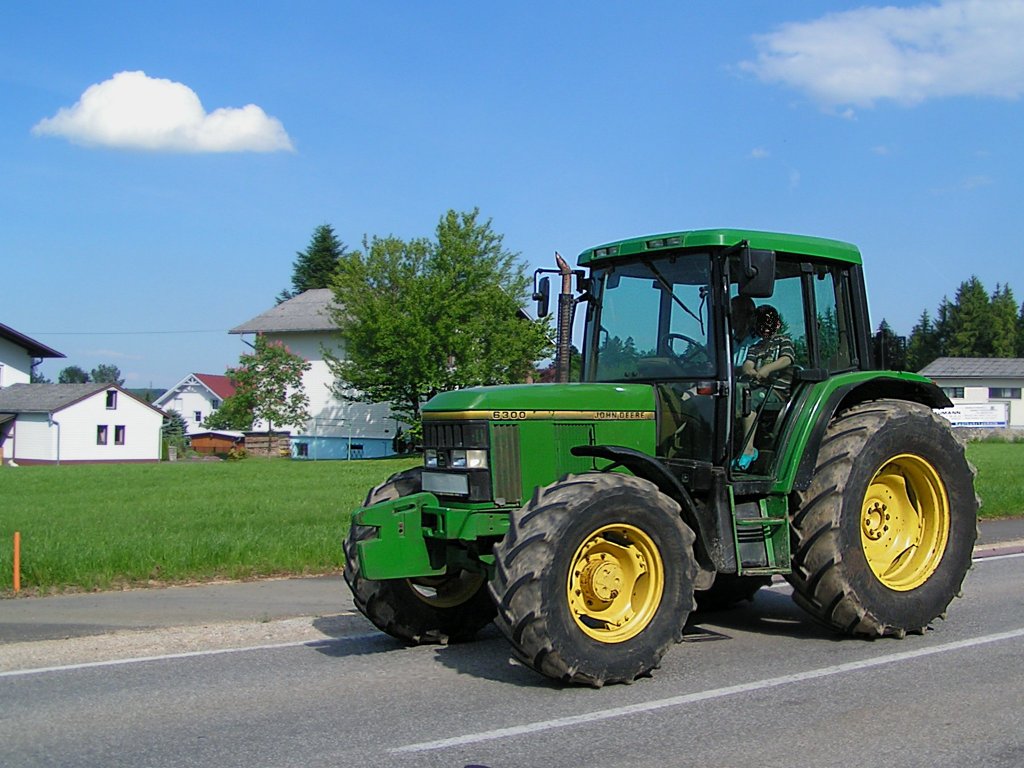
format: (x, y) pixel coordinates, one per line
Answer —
(887, 526)
(442, 609)
(594, 579)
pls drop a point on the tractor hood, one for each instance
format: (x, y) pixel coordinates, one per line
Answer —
(516, 402)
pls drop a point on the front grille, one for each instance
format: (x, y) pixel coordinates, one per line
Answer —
(468, 434)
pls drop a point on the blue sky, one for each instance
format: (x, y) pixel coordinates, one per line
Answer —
(143, 215)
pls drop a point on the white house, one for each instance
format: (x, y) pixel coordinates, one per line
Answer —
(18, 353)
(65, 423)
(337, 429)
(985, 392)
(195, 397)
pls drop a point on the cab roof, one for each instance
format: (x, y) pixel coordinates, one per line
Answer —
(710, 238)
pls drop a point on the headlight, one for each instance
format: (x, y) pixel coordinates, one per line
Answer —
(430, 458)
(463, 459)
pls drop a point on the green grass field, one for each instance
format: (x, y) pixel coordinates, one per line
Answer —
(106, 526)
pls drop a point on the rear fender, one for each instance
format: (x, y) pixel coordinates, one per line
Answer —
(815, 409)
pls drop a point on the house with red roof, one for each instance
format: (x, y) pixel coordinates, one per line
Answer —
(195, 397)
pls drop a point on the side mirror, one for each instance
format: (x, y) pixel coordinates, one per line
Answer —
(543, 296)
(757, 273)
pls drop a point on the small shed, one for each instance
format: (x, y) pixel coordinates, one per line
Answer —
(216, 441)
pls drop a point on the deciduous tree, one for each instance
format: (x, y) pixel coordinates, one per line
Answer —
(423, 316)
(72, 375)
(270, 379)
(107, 374)
(235, 413)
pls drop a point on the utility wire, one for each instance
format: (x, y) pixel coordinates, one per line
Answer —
(120, 333)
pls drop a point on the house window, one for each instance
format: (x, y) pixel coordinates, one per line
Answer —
(1004, 393)
(119, 434)
(101, 434)
(111, 399)
(215, 404)
(302, 449)
(952, 392)
(199, 417)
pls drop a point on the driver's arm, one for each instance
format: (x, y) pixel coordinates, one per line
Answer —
(769, 368)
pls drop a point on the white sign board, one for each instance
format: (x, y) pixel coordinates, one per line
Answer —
(976, 415)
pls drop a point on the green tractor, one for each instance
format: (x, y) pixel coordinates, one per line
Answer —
(729, 426)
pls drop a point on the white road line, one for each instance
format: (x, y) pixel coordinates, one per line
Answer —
(997, 557)
(690, 698)
(188, 655)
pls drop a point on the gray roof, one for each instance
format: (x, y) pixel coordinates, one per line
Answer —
(44, 398)
(33, 347)
(975, 367)
(49, 398)
(309, 311)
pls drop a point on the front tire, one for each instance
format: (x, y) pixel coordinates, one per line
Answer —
(439, 609)
(594, 579)
(887, 526)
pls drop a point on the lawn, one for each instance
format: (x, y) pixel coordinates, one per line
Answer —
(999, 482)
(106, 526)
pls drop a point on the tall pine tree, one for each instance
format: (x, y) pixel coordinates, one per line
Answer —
(924, 345)
(315, 267)
(1020, 332)
(1003, 312)
(969, 321)
(890, 349)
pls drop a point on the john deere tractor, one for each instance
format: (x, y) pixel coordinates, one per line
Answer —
(729, 426)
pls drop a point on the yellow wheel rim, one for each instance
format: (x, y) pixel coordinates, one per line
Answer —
(615, 583)
(905, 522)
(446, 591)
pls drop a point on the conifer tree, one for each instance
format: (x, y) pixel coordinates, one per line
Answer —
(315, 267)
(1003, 311)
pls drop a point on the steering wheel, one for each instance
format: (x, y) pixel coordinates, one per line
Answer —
(695, 347)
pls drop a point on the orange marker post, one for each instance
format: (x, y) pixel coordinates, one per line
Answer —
(17, 562)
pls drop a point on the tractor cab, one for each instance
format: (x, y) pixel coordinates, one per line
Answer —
(727, 335)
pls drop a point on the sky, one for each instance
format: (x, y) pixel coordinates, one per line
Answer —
(163, 163)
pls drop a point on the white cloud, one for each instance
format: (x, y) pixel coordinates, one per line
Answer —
(759, 153)
(906, 55)
(134, 111)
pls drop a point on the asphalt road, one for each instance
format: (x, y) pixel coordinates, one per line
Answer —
(758, 685)
(82, 615)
